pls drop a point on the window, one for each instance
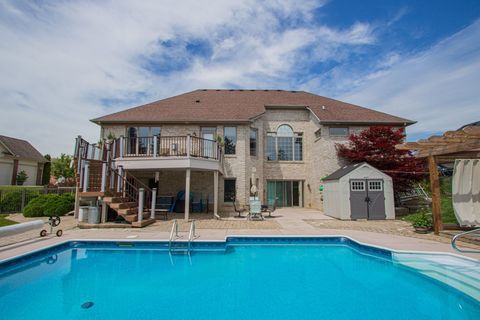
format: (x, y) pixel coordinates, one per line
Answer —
(357, 185)
(338, 131)
(229, 190)
(375, 185)
(138, 139)
(284, 145)
(253, 141)
(230, 136)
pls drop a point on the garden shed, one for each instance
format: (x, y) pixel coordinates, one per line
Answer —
(358, 191)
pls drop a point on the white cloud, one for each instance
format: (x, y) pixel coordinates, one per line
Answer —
(59, 59)
(438, 88)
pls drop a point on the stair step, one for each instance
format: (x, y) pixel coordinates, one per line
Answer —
(114, 199)
(127, 211)
(122, 205)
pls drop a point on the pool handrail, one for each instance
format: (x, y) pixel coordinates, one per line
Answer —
(474, 232)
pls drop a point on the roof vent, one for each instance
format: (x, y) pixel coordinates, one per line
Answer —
(293, 91)
(197, 101)
(204, 89)
(279, 90)
(324, 108)
(265, 90)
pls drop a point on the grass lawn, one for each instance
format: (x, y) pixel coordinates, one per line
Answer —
(4, 221)
(448, 216)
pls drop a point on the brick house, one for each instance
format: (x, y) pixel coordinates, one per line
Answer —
(285, 139)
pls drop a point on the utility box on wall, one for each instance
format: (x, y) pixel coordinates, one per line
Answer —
(358, 191)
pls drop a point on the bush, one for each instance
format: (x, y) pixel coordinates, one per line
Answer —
(50, 205)
(423, 219)
(12, 201)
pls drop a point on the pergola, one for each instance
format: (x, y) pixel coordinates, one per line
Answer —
(461, 144)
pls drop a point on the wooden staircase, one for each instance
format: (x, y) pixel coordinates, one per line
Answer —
(128, 210)
(97, 177)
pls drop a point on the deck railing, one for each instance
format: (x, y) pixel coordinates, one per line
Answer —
(166, 146)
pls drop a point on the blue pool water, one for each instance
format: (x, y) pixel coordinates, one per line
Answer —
(330, 278)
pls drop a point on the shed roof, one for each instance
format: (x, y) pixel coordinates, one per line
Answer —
(21, 149)
(343, 171)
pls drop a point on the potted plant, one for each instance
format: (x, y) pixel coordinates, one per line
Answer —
(422, 222)
(21, 177)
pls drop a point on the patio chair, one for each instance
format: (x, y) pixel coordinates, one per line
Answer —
(270, 207)
(164, 205)
(237, 208)
(197, 202)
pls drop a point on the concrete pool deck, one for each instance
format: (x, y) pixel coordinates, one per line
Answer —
(393, 234)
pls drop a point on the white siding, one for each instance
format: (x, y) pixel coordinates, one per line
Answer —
(30, 169)
(6, 167)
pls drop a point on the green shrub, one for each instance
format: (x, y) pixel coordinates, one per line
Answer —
(423, 219)
(50, 205)
(12, 201)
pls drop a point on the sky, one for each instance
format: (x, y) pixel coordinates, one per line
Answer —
(63, 63)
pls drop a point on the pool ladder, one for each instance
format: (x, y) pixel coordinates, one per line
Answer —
(175, 246)
(474, 232)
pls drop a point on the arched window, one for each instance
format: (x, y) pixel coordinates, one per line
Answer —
(284, 131)
(284, 145)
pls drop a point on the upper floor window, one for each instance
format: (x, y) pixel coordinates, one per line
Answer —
(138, 141)
(338, 131)
(284, 145)
(253, 141)
(230, 136)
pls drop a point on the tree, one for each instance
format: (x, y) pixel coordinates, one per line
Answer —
(376, 145)
(47, 168)
(61, 167)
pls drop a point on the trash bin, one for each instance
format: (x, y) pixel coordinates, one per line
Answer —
(93, 215)
(83, 214)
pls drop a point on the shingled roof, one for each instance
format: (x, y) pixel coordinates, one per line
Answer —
(21, 149)
(243, 105)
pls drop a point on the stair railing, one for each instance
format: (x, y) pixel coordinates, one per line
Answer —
(173, 232)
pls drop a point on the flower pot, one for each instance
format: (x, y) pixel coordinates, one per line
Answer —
(422, 230)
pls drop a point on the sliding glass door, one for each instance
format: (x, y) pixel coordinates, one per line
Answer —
(287, 192)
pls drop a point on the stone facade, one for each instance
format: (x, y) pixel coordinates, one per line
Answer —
(319, 157)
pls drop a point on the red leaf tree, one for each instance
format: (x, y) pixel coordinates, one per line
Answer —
(376, 145)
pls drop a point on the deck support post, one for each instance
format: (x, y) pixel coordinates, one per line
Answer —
(435, 187)
(104, 176)
(122, 145)
(215, 194)
(119, 179)
(85, 176)
(104, 212)
(154, 203)
(155, 146)
(187, 193)
(141, 196)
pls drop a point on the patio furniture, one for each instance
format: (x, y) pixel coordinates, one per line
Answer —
(164, 205)
(237, 208)
(270, 207)
(255, 209)
(197, 202)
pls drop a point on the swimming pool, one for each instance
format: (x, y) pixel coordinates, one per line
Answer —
(241, 278)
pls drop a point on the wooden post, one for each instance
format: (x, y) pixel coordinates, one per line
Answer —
(435, 187)
(187, 194)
